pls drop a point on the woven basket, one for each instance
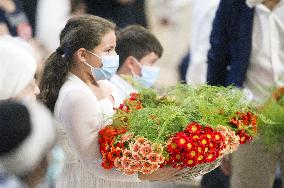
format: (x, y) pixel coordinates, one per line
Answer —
(198, 170)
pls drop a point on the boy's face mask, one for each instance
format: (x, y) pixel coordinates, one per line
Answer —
(149, 75)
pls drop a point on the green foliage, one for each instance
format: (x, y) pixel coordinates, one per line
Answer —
(171, 110)
(272, 124)
(210, 105)
(149, 97)
(157, 124)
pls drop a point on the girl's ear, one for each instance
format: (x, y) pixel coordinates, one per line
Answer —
(81, 54)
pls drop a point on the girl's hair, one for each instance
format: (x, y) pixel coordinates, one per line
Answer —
(79, 32)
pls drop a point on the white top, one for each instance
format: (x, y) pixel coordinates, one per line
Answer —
(51, 17)
(203, 14)
(82, 116)
(170, 9)
(266, 69)
(123, 87)
(17, 67)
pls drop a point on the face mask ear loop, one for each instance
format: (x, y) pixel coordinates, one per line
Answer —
(139, 64)
(88, 64)
(95, 54)
(101, 59)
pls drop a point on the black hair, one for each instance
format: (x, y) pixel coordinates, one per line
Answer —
(15, 125)
(138, 42)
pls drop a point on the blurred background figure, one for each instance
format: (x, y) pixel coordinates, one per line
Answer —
(170, 22)
(203, 14)
(13, 20)
(247, 52)
(27, 156)
(26, 129)
(49, 25)
(30, 7)
(121, 12)
(17, 71)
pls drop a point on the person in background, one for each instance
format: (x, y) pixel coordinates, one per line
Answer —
(28, 157)
(13, 20)
(202, 17)
(203, 14)
(17, 72)
(30, 9)
(78, 7)
(47, 34)
(139, 50)
(62, 10)
(170, 22)
(138, 10)
(26, 140)
(247, 52)
(121, 12)
(183, 66)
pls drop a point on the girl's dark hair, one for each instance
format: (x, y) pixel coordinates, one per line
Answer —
(79, 32)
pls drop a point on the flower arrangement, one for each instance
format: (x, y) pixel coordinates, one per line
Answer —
(196, 145)
(244, 123)
(271, 124)
(185, 127)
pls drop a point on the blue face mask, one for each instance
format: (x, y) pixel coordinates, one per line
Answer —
(56, 165)
(149, 75)
(109, 68)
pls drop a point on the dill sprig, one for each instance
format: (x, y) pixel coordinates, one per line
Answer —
(169, 111)
(272, 124)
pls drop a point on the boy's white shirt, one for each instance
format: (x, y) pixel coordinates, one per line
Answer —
(122, 86)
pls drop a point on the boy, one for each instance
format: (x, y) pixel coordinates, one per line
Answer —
(139, 50)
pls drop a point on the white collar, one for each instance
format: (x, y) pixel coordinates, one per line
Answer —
(118, 80)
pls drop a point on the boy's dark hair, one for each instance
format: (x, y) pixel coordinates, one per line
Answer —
(138, 42)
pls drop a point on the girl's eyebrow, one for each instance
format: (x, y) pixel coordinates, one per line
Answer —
(110, 46)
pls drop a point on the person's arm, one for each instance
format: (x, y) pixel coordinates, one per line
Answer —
(218, 55)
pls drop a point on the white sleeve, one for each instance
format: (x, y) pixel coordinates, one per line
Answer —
(82, 120)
